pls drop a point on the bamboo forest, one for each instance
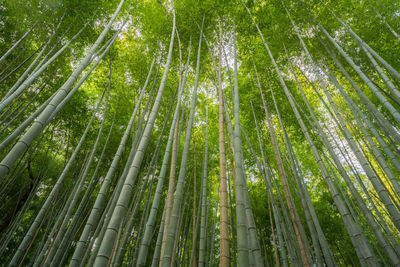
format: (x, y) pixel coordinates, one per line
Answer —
(199, 133)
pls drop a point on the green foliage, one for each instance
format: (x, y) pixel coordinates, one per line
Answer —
(146, 37)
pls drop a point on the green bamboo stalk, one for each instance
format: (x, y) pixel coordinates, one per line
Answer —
(167, 257)
(204, 176)
(105, 250)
